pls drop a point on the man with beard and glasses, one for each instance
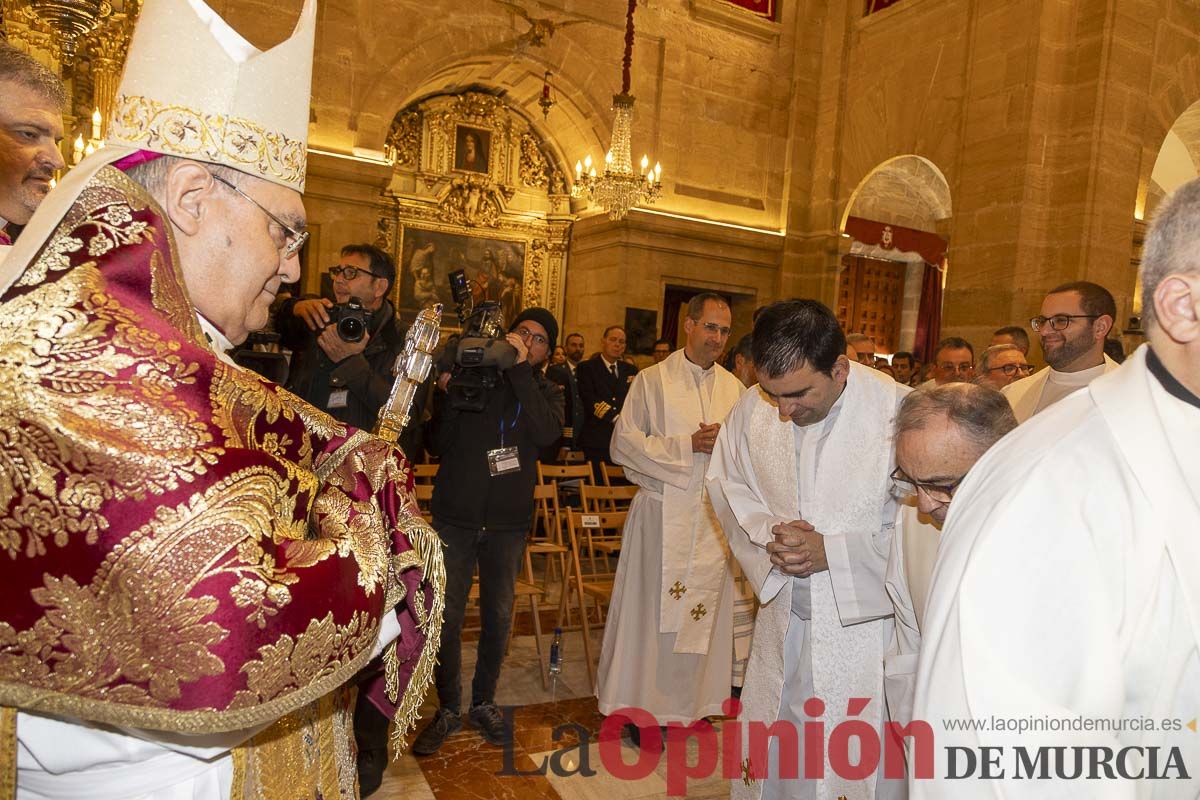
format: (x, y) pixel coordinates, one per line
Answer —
(31, 104)
(1075, 319)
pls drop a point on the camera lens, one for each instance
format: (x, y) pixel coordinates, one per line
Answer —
(351, 329)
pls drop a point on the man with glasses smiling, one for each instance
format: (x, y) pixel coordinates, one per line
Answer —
(940, 434)
(1075, 320)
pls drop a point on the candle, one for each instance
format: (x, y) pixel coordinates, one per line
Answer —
(96, 123)
(587, 162)
(645, 164)
(87, 151)
(77, 150)
(578, 169)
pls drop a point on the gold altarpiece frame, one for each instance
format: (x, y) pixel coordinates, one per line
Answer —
(475, 187)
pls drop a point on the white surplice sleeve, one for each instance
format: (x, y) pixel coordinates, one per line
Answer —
(739, 504)
(665, 459)
(900, 659)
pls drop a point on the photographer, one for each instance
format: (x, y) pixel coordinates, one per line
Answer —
(482, 509)
(350, 379)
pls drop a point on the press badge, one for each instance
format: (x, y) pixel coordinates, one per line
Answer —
(503, 460)
(338, 398)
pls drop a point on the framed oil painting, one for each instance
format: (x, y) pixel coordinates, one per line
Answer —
(495, 267)
(472, 149)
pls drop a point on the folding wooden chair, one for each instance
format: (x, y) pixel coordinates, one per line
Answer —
(596, 499)
(546, 539)
(612, 474)
(424, 473)
(424, 494)
(595, 584)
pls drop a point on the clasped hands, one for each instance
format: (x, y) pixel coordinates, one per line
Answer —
(798, 549)
(705, 438)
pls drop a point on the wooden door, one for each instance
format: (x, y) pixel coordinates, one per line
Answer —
(870, 298)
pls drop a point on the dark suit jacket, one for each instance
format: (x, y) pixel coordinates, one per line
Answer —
(562, 375)
(596, 385)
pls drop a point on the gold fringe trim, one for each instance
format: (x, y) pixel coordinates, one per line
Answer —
(8, 753)
(391, 674)
(428, 546)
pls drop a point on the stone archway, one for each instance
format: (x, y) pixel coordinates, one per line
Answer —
(894, 230)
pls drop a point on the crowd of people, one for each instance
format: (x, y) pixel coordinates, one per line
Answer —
(200, 565)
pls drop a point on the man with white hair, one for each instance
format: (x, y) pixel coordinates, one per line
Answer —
(940, 434)
(1000, 365)
(193, 560)
(1067, 588)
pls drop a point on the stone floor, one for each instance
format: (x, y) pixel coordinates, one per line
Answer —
(469, 768)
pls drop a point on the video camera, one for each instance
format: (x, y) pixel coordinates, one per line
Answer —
(481, 352)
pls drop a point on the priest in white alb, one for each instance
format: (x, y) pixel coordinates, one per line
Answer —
(1066, 596)
(800, 480)
(668, 642)
(1075, 320)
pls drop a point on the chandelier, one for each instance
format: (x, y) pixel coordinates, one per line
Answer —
(619, 188)
(72, 20)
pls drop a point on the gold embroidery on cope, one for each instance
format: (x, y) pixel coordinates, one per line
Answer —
(678, 590)
(101, 390)
(699, 611)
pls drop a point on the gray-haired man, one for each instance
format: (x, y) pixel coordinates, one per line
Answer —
(940, 434)
(31, 103)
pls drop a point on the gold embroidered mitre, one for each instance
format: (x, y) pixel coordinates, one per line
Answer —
(194, 88)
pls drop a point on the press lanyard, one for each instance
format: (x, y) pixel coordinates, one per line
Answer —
(511, 426)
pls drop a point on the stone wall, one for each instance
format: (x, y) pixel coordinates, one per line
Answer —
(1044, 116)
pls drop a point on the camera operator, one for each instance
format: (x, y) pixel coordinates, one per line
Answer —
(350, 379)
(482, 509)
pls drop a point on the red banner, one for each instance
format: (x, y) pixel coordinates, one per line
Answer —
(763, 8)
(930, 246)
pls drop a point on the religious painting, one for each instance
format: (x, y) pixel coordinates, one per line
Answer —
(472, 148)
(641, 330)
(494, 266)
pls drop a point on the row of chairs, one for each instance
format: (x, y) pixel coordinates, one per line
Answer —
(577, 530)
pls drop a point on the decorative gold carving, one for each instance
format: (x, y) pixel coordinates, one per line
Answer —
(678, 590)
(473, 200)
(479, 106)
(403, 143)
(534, 170)
(235, 142)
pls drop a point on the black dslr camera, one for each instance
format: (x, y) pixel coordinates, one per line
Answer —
(480, 354)
(350, 319)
